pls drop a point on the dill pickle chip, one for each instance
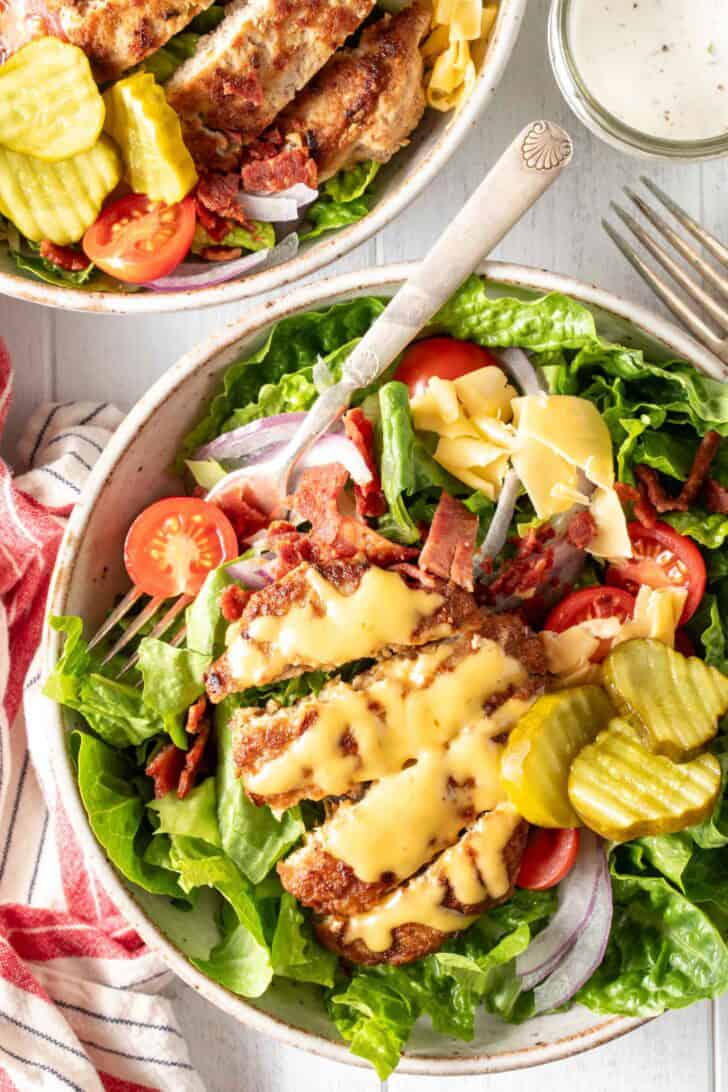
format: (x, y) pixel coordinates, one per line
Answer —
(149, 134)
(50, 106)
(676, 701)
(541, 748)
(57, 201)
(622, 791)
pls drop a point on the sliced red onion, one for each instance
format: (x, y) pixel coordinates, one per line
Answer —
(271, 208)
(587, 953)
(520, 369)
(207, 274)
(497, 533)
(240, 442)
(262, 475)
(250, 572)
(577, 894)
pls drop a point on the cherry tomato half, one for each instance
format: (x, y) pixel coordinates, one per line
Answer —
(138, 240)
(548, 857)
(445, 357)
(172, 545)
(662, 558)
(588, 603)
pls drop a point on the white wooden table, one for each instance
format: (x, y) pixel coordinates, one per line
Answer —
(65, 356)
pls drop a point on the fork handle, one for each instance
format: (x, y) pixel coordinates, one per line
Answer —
(526, 169)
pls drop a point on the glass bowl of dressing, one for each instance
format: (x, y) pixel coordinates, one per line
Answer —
(647, 76)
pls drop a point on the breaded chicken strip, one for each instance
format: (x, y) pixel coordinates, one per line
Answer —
(114, 34)
(319, 617)
(478, 872)
(251, 66)
(349, 734)
(366, 101)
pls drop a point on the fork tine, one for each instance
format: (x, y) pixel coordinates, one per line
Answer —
(693, 289)
(668, 295)
(711, 244)
(116, 615)
(684, 248)
(141, 619)
(161, 627)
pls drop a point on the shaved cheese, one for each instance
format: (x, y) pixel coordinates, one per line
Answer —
(572, 428)
(486, 392)
(464, 452)
(562, 491)
(612, 538)
(466, 19)
(456, 24)
(657, 614)
(541, 470)
(495, 431)
(569, 654)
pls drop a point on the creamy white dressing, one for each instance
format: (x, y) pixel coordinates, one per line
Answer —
(659, 66)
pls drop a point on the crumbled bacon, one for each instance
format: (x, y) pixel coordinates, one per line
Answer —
(716, 497)
(65, 257)
(448, 551)
(644, 511)
(284, 169)
(195, 713)
(524, 573)
(415, 576)
(215, 226)
(218, 193)
(661, 500)
(232, 602)
(333, 534)
(581, 529)
(370, 500)
(240, 508)
(193, 760)
(165, 769)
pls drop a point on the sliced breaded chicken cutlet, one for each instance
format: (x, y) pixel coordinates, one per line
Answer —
(363, 104)
(253, 64)
(476, 873)
(353, 733)
(115, 35)
(319, 617)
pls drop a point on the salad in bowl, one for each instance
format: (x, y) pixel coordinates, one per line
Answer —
(190, 148)
(442, 733)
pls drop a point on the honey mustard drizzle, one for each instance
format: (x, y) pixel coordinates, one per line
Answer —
(415, 705)
(474, 869)
(334, 628)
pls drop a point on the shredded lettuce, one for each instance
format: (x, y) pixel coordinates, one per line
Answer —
(344, 199)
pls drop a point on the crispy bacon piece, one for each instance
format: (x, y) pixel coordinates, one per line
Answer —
(64, 256)
(215, 226)
(661, 500)
(195, 714)
(218, 193)
(448, 551)
(165, 769)
(644, 511)
(246, 518)
(370, 500)
(233, 601)
(284, 169)
(316, 501)
(581, 529)
(528, 569)
(716, 497)
(193, 760)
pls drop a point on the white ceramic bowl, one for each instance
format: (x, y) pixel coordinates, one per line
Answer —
(132, 472)
(398, 184)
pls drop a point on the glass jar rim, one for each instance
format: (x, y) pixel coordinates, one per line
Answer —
(601, 121)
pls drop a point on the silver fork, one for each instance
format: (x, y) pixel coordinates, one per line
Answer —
(714, 335)
(146, 614)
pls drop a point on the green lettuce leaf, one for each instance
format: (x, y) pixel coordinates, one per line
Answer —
(240, 963)
(397, 466)
(260, 236)
(251, 836)
(663, 952)
(295, 952)
(709, 529)
(206, 626)
(710, 625)
(195, 816)
(345, 199)
(116, 812)
(173, 677)
(114, 711)
(51, 273)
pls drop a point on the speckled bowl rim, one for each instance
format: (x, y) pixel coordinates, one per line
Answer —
(396, 198)
(306, 297)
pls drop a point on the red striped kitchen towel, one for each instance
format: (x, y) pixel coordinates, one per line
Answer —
(73, 1014)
